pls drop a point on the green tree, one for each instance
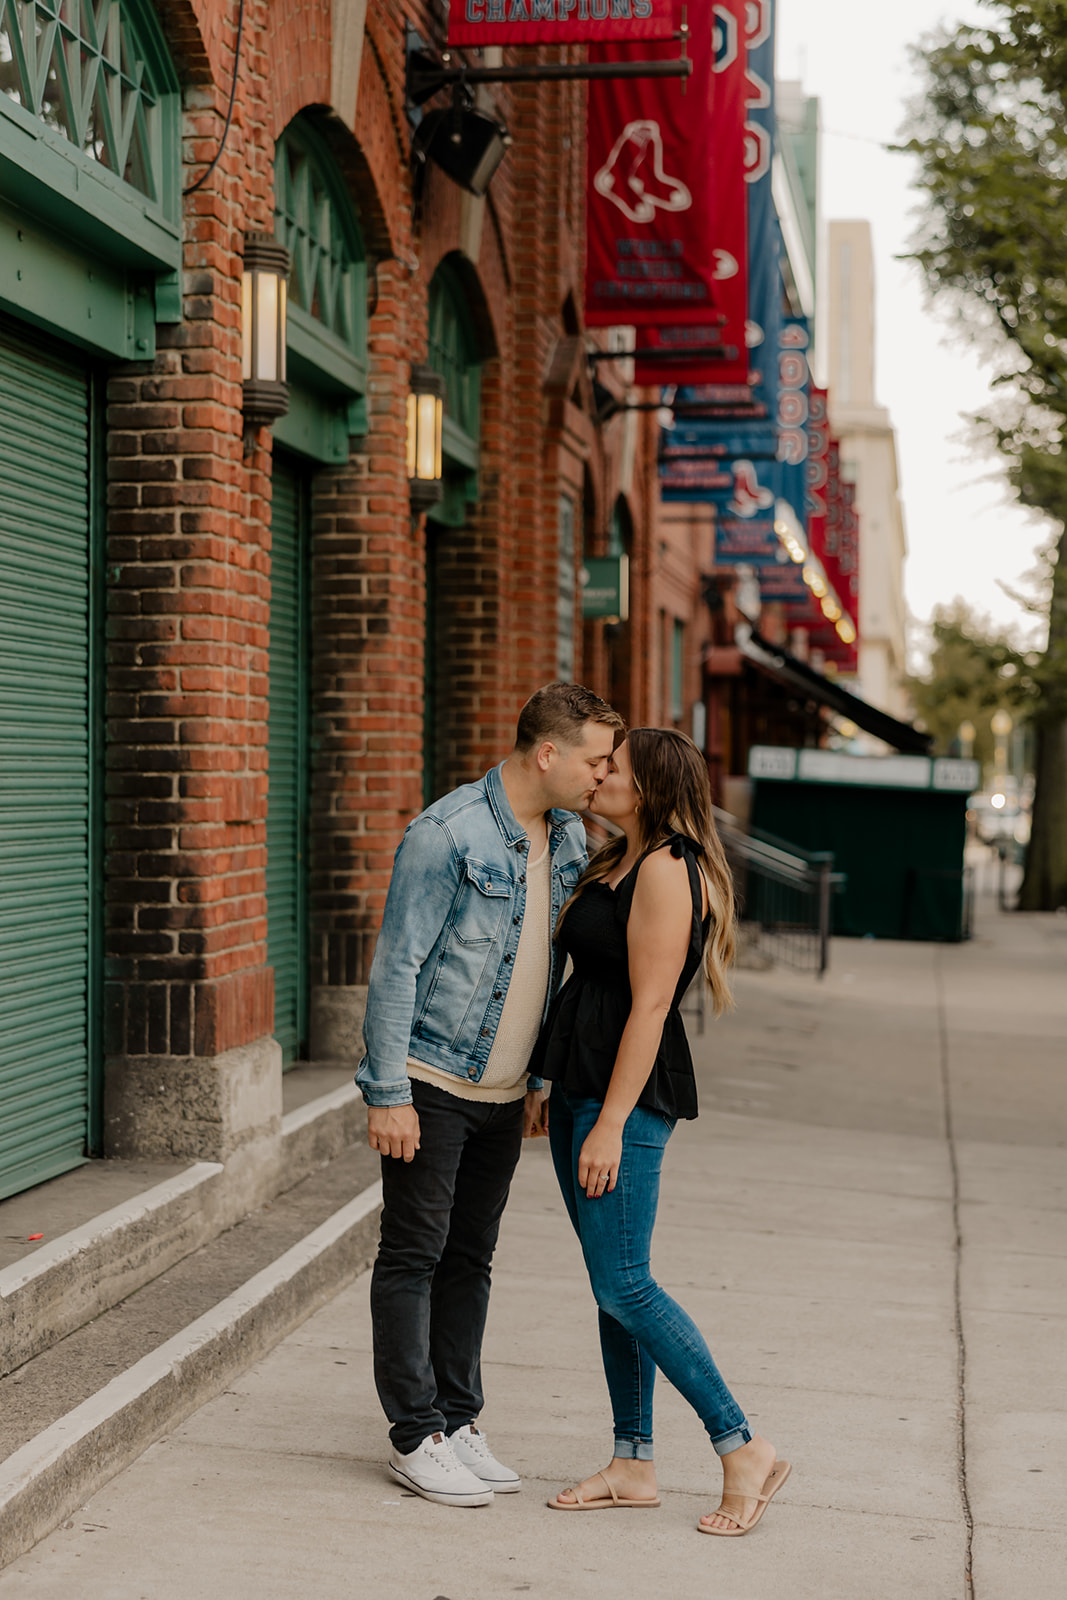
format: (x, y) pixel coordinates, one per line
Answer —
(974, 669)
(990, 135)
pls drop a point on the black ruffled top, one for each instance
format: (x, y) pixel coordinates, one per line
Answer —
(583, 1030)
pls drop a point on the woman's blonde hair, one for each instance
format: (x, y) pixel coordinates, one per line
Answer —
(674, 796)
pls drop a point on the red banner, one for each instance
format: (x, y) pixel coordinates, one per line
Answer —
(724, 186)
(834, 539)
(654, 252)
(481, 22)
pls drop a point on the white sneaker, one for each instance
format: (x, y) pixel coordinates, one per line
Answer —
(472, 1451)
(435, 1472)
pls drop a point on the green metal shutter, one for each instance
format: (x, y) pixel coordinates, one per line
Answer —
(287, 809)
(49, 865)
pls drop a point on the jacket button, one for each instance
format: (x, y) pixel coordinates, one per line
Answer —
(498, 994)
(515, 921)
(508, 958)
(522, 877)
(520, 845)
(485, 1033)
(472, 1072)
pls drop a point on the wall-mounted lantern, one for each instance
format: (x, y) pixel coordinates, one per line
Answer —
(263, 301)
(426, 407)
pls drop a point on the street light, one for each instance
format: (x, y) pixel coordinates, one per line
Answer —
(1001, 725)
(265, 394)
(426, 406)
(966, 738)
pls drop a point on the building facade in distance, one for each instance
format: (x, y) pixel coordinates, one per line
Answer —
(868, 459)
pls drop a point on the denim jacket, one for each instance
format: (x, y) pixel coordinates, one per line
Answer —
(449, 936)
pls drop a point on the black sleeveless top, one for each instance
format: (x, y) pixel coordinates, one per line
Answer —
(582, 1032)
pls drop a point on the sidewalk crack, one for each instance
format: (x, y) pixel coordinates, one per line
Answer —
(961, 1345)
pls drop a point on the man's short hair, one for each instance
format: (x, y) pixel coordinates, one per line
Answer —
(559, 712)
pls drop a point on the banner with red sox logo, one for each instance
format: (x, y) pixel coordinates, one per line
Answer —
(489, 22)
(658, 251)
(726, 198)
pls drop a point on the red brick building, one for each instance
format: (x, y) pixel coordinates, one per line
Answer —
(269, 664)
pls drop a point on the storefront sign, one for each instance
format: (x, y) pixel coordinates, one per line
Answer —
(606, 587)
(489, 22)
(655, 255)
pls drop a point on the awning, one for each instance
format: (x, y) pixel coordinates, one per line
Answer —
(788, 669)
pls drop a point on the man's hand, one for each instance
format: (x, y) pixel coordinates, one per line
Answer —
(535, 1115)
(393, 1130)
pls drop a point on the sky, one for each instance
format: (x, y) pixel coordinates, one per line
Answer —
(963, 531)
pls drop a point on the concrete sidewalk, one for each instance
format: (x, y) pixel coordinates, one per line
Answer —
(868, 1221)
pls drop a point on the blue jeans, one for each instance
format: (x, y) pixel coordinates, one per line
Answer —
(641, 1327)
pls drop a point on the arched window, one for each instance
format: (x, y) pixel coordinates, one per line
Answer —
(454, 353)
(92, 84)
(620, 529)
(85, 72)
(316, 220)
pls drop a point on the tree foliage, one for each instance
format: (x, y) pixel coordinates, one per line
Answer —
(974, 670)
(990, 136)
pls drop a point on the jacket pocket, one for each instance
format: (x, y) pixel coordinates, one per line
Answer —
(485, 893)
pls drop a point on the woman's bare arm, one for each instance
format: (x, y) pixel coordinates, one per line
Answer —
(657, 940)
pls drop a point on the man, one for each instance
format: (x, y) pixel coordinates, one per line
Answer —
(462, 975)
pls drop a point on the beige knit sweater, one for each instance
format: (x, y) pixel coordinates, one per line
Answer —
(504, 1077)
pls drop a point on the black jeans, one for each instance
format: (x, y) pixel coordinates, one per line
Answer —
(430, 1285)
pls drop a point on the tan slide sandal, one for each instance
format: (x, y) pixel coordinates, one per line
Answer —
(603, 1504)
(775, 1478)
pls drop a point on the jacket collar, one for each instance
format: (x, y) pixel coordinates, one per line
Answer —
(505, 817)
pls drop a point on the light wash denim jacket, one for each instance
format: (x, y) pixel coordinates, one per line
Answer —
(449, 936)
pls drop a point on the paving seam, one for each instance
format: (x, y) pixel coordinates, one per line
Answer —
(53, 1474)
(957, 1291)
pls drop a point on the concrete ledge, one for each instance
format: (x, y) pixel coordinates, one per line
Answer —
(56, 1472)
(336, 1022)
(58, 1288)
(316, 1133)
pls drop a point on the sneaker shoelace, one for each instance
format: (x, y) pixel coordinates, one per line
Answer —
(479, 1444)
(443, 1456)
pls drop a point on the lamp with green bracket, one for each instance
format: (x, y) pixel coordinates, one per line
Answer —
(264, 280)
(426, 406)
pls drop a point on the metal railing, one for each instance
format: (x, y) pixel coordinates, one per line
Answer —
(783, 894)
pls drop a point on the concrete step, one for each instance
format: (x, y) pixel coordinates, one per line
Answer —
(81, 1410)
(48, 1294)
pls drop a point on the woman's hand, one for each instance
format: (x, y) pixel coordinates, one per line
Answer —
(600, 1158)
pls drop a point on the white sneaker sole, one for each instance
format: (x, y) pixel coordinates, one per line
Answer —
(502, 1488)
(442, 1497)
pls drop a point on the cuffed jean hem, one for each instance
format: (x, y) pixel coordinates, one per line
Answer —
(731, 1441)
(634, 1450)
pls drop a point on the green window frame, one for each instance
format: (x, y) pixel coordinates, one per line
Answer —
(326, 343)
(90, 171)
(454, 354)
(89, 85)
(566, 590)
(677, 705)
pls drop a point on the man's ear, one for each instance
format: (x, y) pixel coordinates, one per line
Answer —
(546, 754)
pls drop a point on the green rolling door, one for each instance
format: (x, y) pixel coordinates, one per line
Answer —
(287, 808)
(49, 860)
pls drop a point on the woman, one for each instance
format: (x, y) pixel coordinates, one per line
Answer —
(637, 929)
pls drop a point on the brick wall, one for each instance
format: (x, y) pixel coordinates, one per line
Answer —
(189, 551)
(188, 609)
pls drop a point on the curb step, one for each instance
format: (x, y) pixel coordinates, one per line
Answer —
(50, 1476)
(47, 1295)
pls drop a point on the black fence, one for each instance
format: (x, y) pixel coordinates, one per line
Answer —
(784, 895)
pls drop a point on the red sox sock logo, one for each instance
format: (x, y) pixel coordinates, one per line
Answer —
(633, 178)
